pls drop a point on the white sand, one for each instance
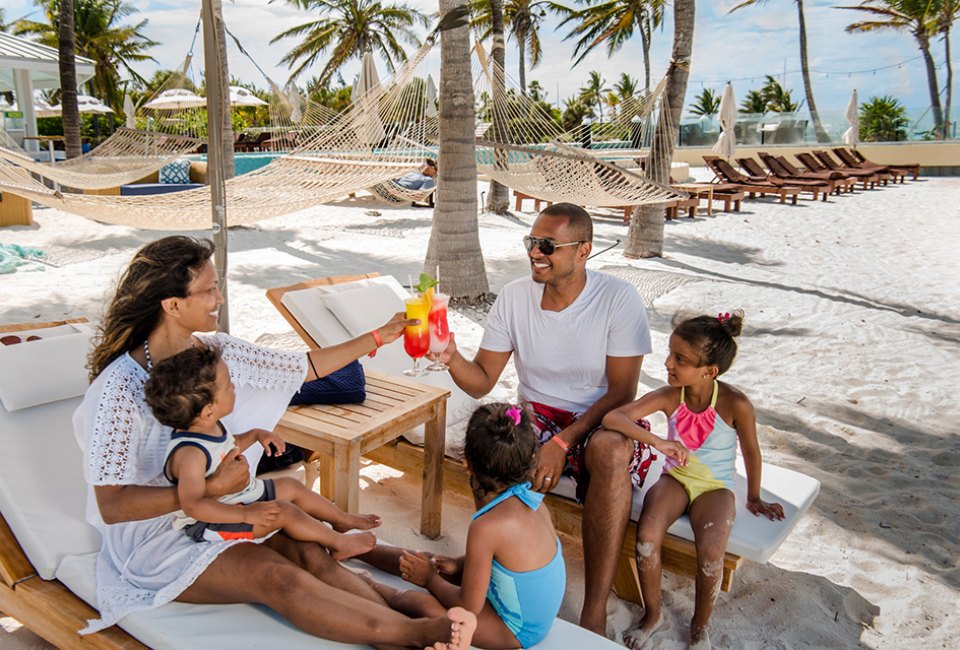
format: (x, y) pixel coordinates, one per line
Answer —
(850, 355)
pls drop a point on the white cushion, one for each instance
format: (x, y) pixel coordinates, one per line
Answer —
(44, 371)
(177, 626)
(364, 308)
(42, 491)
(755, 538)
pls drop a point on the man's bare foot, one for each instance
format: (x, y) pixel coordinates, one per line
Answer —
(357, 522)
(350, 545)
(463, 624)
(637, 638)
(699, 639)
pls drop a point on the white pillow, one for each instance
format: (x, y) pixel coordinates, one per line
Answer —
(44, 371)
(361, 310)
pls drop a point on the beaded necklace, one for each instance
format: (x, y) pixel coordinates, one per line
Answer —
(146, 352)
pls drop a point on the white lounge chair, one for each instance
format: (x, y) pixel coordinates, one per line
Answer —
(48, 551)
(328, 311)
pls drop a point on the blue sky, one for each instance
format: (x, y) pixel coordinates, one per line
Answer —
(742, 47)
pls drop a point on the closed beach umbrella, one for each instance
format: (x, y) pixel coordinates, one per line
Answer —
(727, 142)
(176, 99)
(240, 96)
(852, 135)
(431, 97)
(364, 96)
(128, 111)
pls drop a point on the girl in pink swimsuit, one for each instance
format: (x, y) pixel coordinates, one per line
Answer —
(706, 418)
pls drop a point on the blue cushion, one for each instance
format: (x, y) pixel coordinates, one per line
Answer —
(176, 171)
(155, 188)
(345, 386)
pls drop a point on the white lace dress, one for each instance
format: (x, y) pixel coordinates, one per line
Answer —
(146, 564)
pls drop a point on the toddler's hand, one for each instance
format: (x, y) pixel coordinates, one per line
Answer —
(772, 511)
(272, 443)
(675, 450)
(416, 568)
(262, 513)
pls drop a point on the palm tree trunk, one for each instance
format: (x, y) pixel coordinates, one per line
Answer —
(805, 69)
(455, 238)
(924, 42)
(946, 108)
(645, 29)
(68, 81)
(226, 126)
(498, 197)
(645, 237)
(523, 64)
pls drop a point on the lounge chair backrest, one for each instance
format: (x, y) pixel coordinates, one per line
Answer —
(810, 162)
(774, 165)
(788, 166)
(845, 157)
(43, 495)
(752, 167)
(724, 169)
(827, 161)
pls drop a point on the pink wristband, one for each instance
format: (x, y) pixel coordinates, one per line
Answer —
(560, 441)
(378, 340)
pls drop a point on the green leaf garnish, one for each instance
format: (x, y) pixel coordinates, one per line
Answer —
(426, 283)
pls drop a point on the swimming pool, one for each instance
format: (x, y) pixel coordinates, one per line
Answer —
(244, 163)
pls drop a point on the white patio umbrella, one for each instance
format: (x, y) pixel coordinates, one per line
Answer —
(364, 95)
(176, 99)
(240, 96)
(852, 135)
(128, 111)
(89, 104)
(44, 109)
(727, 142)
(431, 97)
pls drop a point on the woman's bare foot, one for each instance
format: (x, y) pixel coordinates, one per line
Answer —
(699, 639)
(351, 545)
(357, 522)
(463, 624)
(635, 639)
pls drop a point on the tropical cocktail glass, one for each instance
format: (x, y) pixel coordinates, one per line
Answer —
(439, 329)
(416, 339)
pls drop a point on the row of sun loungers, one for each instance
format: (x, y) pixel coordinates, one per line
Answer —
(820, 174)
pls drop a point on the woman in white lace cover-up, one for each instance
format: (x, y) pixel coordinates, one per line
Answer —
(168, 294)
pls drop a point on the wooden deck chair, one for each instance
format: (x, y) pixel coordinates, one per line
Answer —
(828, 161)
(783, 168)
(808, 160)
(912, 168)
(303, 306)
(849, 159)
(48, 551)
(725, 172)
(824, 185)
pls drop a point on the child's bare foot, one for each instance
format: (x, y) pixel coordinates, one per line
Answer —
(352, 545)
(357, 522)
(699, 639)
(637, 638)
(463, 624)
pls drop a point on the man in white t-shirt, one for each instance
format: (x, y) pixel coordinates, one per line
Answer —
(578, 337)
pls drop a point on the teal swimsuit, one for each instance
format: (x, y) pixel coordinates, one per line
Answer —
(527, 601)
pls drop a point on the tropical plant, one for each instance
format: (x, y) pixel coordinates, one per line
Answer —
(778, 98)
(822, 136)
(454, 244)
(536, 92)
(627, 87)
(574, 111)
(645, 236)
(348, 28)
(100, 36)
(754, 102)
(883, 119)
(706, 103)
(593, 92)
(522, 21)
(921, 18)
(613, 22)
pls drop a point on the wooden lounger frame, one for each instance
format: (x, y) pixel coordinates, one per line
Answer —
(679, 555)
(47, 607)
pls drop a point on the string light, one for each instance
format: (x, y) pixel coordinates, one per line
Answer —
(825, 73)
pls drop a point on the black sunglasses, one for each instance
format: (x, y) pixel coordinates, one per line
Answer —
(546, 246)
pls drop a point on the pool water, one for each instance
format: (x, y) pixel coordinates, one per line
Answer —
(244, 163)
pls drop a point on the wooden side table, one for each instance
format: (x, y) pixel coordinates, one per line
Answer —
(700, 190)
(341, 433)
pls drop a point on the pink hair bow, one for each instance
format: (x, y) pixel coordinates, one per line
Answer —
(723, 318)
(514, 413)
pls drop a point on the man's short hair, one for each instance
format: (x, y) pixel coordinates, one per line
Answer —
(578, 220)
(430, 162)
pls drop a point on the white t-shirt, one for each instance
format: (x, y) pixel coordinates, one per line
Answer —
(561, 357)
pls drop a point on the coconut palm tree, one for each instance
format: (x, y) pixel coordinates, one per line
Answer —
(822, 135)
(627, 86)
(593, 93)
(883, 119)
(921, 19)
(778, 99)
(455, 235)
(67, 60)
(645, 236)
(348, 28)
(753, 102)
(522, 21)
(99, 35)
(706, 103)
(612, 23)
